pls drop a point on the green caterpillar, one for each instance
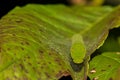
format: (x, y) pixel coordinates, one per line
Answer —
(77, 49)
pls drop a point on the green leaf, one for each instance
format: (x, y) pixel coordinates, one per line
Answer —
(105, 66)
(112, 42)
(97, 37)
(35, 40)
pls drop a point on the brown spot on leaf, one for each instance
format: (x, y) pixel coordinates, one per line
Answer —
(44, 64)
(22, 67)
(110, 79)
(39, 79)
(12, 14)
(41, 30)
(14, 53)
(49, 62)
(24, 78)
(34, 68)
(29, 64)
(8, 78)
(109, 65)
(40, 51)
(19, 20)
(62, 73)
(103, 70)
(38, 63)
(24, 59)
(48, 76)
(22, 48)
(22, 31)
(13, 34)
(58, 61)
(26, 70)
(8, 49)
(15, 77)
(39, 41)
(41, 67)
(27, 43)
(50, 53)
(28, 57)
(22, 43)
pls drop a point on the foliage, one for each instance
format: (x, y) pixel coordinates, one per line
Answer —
(109, 69)
(35, 40)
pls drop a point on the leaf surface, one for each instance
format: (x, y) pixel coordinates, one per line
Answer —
(35, 40)
(105, 66)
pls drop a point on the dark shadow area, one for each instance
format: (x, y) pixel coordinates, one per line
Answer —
(112, 41)
(88, 78)
(7, 5)
(76, 67)
(112, 2)
(66, 78)
(69, 78)
(115, 32)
